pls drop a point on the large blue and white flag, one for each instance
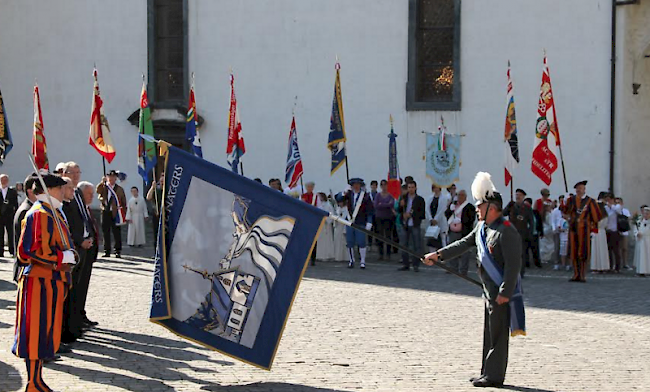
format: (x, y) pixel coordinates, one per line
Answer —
(231, 253)
(443, 158)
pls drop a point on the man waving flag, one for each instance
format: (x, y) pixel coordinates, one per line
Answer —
(100, 134)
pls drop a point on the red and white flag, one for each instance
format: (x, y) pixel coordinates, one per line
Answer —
(39, 144)
(547, 137)
(235, 148)
(100, 134)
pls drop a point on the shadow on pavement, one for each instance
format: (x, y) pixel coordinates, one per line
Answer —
(608, 295)
(7, 285)
(155, 358)
(10, 379)
(265, 387)
(524, 389)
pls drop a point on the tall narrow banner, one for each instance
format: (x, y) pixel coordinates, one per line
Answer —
(6, 142)
(336, 140)
(100, 134)
(443, 158)
(547, 136)
(192, 126)
(294, 171)
(231, 254)
(39, 144)
(235, 148)
(394, 186)
(510, 140)
(147, 154)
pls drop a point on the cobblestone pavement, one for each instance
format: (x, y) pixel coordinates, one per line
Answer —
(354, 330)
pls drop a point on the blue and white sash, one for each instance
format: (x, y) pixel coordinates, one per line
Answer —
(516, 303)
(120, 217)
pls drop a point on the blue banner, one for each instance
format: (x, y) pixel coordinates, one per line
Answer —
(443, 164)
(231, 253)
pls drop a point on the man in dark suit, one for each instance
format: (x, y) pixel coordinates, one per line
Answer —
(20, 215)
(537, 231)
(8, 207)
(412, 209)
(113, 202)
(521, 217)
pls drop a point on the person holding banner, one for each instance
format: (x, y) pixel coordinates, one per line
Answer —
(499, 262)
(113, 204)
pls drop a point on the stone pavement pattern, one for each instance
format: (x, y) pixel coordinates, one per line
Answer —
(372, 330)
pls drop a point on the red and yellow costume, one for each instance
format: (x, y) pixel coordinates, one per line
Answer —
(583, 217)
(42, 288)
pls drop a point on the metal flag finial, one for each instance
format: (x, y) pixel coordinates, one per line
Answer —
(295, 103)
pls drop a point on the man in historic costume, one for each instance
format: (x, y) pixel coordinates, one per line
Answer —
(361, 210)
(113, 207)
(45, 253)
(583, 215)
(499, 262)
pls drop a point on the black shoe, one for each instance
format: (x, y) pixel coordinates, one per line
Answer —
(350, 265)
(107, 254)
(54, 358)
(118, 255)
(485, 383)
(405, 268)
(68, 337)
(64, 349)
(90, 322)
(313, 263)
(472, 379)
(538, 266)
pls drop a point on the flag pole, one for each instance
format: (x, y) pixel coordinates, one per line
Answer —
(104, 165)
(512, 187)
(566, 186)
(400, 247)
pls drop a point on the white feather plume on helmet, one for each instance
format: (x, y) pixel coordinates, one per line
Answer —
(482, 187)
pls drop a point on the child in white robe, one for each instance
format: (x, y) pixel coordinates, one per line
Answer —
(136, 214)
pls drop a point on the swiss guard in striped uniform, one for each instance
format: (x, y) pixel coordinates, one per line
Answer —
(44, 280)
(583, 217)
(498, 247)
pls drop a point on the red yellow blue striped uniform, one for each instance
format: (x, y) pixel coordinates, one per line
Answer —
(42, 288)
(583, 217)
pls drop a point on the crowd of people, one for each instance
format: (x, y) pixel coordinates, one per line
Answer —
(598, 230)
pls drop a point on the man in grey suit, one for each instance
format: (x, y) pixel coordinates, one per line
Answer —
(499, 264)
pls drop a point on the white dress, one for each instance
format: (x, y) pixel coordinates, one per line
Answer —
(340, 246)
(136, 212)
(599, 251)
(325, 248)
(547, 243)
(642, 248)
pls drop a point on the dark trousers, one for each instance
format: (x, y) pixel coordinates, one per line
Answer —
(313, 254)
(412, 240)
(74, 312)
(496, 332)
(385, 227)
(108, 226)
(614, 248)
(7, 224)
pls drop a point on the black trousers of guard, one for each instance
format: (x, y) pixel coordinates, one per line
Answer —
(7, 224)
(496, 333)
(108, 226)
